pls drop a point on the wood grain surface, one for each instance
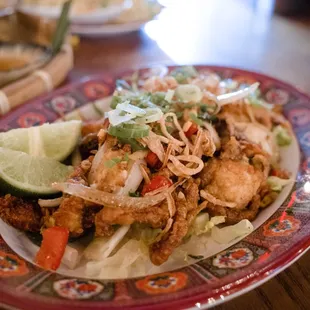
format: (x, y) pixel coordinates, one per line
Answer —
(238, 33)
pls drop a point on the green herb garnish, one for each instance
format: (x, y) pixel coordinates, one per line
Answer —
(134, 194)
(195, 119)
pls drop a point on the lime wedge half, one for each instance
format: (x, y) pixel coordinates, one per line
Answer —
(55, 141)
(25, 175)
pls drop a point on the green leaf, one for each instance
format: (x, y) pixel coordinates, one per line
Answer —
(61, 28)
(134, 194)
(195, 119)
(112, 162)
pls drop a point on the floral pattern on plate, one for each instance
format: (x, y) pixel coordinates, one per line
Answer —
(11, 265)
(282, 226)
(234, 258)
(163, 283)
(77, 289)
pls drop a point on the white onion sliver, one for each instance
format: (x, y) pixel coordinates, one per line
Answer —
(50, 203)
(134, 179)
(71, 257)
(111, 200)
(204, 194)
(101, 248)
(238, 95)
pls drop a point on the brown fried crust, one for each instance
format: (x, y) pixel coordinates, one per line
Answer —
(186, 206)
(22, 214)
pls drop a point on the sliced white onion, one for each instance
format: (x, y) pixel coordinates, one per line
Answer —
(50, 203)
(71, 257)
(129, 108)
(111, 200)
(237, 95)
(101, 248)
(169, 95)
(204, 194)
(134, 179)
(115, 118)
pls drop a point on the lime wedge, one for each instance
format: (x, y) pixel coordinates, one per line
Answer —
(55, 141)
(25, 175)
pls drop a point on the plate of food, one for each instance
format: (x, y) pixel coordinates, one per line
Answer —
(163, 186)
(82, 12)
(130, 20)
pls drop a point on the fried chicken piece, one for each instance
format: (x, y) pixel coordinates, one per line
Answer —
(22, 214)
(69, 215)
(231, 177)
(72, 211)
(155, 216)
(234, 216)
(187, 204)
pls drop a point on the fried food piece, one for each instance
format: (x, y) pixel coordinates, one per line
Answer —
(186, 204)
(234, 216)
(155, 216)
(22, 214)
(72, 211)
(69, 215)
(232, 178)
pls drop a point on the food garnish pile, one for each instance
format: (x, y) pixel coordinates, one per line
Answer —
(180, 155)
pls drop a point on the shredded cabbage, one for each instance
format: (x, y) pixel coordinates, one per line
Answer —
(282, 136)
(101, 248)
(229, 233)
(276, 184)
(203, 223)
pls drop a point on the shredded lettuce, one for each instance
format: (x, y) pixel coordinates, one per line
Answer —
(276, 184)
(229, 233)
(282, 135)
(203, 223)
(130, 260)
(101, 248)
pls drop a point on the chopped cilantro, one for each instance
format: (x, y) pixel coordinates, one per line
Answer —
(195, 119)
(134, 194)
(112, 162)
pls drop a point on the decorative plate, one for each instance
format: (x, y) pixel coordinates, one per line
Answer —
(95, 16)
(106, 30)
(280, 238)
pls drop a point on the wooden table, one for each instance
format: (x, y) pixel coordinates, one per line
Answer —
(243, 33)
(239, 33)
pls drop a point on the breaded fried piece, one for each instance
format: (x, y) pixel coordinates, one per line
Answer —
(234, 216)
(155, 216)
(73, 212)
(186, 204)
(69, 215)
(231, 178)
(20, 213)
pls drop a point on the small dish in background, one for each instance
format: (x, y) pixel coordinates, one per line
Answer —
(83, 12)
(18, 60)
(130, 20)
